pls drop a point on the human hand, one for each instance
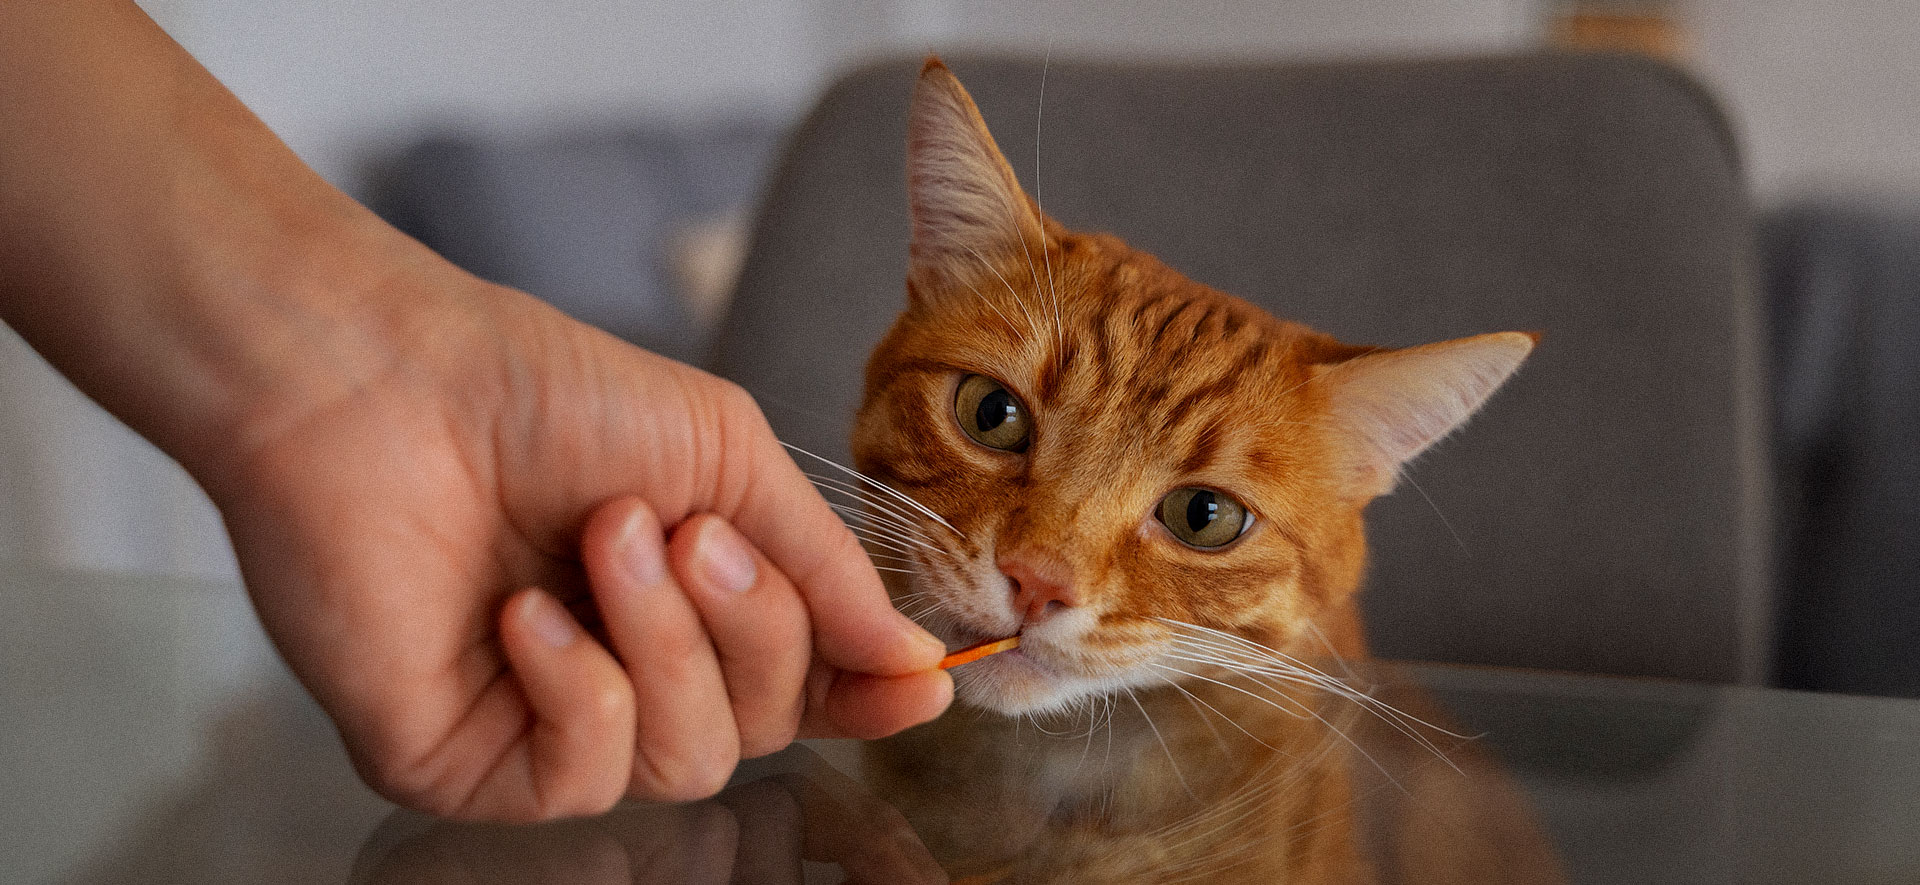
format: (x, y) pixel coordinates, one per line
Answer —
(486, 444)
(397, 447)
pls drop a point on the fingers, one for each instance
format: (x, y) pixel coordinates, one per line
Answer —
(854, 626)
(579, 753)
(685, 740)
(758, 626)
(858, 705)
(718, 646)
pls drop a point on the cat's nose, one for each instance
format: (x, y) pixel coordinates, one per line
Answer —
(1040, 589)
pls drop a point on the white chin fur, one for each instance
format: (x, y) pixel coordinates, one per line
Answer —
(1012, 685)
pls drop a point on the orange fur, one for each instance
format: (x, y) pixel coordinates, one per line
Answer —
(1137, 382)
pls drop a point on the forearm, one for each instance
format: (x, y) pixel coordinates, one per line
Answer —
(161, 247)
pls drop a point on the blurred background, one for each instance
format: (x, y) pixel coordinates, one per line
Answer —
(443, 115)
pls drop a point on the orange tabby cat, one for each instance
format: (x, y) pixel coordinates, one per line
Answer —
(1159, 488)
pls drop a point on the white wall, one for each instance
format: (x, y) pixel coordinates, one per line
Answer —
(341, 81)
(1826, 92)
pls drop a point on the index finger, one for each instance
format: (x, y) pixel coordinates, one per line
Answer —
(855, 626)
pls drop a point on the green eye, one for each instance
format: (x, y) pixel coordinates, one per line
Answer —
(991, 414)
(1204, 518)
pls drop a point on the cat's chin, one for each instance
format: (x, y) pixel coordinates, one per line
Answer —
(1013, 684)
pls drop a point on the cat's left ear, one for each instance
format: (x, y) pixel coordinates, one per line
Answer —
(1389, 406)
(966, 204)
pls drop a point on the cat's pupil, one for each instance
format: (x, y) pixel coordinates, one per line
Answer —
(995, 409)
(1202, 510)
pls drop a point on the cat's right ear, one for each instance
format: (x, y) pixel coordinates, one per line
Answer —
(1388, 406)
(967, 206)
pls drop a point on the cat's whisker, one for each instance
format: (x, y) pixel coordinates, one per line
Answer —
(1201, 702)
(1292, 671)
(1303, 712)
(859, 495)
(882, 529)
(873, 501)
(1399, 720)
(860, 532)
(1163, 743)
(1093, 725)
(1300, 674)
(1403, 473)
(863, 532)
(1332, 653)
(882, 487)
(1281, 665)
(1243, 642)
(1043, 729)
(1010, 290)
(922, 609)
(867, 517)
(1310, 712)
(1039, 115)
(1215, 820)
(996, 309)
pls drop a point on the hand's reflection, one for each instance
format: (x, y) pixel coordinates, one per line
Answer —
(757, 832)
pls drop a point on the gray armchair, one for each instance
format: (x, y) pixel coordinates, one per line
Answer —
(1608, 512)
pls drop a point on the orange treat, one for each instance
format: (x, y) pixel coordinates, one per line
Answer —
(976, 652)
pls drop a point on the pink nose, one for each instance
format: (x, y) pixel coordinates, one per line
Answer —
(1039, 589)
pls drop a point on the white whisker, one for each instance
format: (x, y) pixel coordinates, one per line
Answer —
(882, 529)
(1039, 115)
(885, 489)
(879, 521)
(1163, 743)
(879, 504)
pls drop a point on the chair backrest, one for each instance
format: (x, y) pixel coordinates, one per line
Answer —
(1607, 513)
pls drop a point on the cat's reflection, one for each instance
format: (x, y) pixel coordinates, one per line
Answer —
(761, 831)
(1211, 784)
(1215, 783)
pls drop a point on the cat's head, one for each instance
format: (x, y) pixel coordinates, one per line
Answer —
(1115, 451)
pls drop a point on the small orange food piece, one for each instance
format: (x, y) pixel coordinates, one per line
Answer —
(976, 652)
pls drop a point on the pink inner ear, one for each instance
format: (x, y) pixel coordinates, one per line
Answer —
(1391, 406)
(964, 198)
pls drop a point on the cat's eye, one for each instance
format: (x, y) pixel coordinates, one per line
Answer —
(990, 414)
(1204, 518)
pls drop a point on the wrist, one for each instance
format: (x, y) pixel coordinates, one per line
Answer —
(165, 251)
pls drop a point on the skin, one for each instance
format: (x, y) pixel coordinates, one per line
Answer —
(418, 468)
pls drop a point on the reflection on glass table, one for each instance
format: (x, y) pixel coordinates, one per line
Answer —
(121, 762)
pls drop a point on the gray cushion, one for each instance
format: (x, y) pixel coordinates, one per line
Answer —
(1845, 290)
(582, 219)
(1607, 513)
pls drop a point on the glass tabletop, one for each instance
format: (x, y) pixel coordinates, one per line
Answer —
(146, 736)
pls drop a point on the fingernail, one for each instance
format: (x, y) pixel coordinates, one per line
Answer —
(724, 557)
(548, 620)
(935, 648)
(644, 558)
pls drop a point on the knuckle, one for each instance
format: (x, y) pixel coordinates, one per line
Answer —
(609, 708)
(401, 778)
(685, 780)
(772, 734)
(734, 400)
(594, 800)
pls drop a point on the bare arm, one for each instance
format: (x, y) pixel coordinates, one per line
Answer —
(398, 449)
